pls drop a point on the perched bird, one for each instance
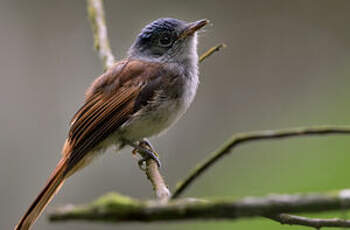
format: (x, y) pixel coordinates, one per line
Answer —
(138, 97)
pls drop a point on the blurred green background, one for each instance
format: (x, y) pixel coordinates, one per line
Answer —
(286, 65)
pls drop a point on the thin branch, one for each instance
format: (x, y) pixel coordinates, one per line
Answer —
(241, 138)
(310, 222)
(159, 186)
(99, 29)
(212, 50)
(115, 208)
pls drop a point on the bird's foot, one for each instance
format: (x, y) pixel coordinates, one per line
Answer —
(145, 149)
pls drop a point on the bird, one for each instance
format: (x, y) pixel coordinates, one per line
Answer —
(138, 97)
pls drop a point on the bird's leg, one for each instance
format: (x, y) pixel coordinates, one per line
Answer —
(146, 143)
(145, 149)
(149, 154)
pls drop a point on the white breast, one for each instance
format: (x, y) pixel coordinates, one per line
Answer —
(162, 116)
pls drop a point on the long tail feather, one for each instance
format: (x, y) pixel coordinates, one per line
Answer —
(53, 185)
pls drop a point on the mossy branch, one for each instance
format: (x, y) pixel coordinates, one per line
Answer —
(117, 208)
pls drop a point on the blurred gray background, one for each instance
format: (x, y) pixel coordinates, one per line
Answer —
(286, 64)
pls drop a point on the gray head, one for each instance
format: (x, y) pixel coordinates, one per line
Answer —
(167, 40)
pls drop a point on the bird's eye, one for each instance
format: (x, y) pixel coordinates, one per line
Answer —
(165, 39)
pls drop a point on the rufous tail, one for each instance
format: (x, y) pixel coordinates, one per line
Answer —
(51, 188)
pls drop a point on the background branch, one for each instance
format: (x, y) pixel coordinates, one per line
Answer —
(240, 138)
(99, 30)
(310, 222)
(117, 208)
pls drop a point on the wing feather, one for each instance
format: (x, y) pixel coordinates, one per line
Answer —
(110, 103)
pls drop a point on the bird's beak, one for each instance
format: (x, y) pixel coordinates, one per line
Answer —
(193, 27)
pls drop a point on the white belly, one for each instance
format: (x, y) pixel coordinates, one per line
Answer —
(154, 122)
(162, 115)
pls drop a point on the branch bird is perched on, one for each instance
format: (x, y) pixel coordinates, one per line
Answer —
(138, 97)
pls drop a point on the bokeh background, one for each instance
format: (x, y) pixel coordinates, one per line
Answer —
(287, 64)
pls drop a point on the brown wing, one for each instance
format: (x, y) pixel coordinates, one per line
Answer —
(110, 101)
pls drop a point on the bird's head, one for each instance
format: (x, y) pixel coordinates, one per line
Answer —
(167, 40)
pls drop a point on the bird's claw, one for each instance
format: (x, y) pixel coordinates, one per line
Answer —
(146, 156)
(146, 151)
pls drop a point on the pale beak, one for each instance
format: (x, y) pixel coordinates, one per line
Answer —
(193, 27)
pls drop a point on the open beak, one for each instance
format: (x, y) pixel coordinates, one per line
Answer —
(193, 27)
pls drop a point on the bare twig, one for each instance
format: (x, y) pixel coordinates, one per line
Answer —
(310, 222)
(160, 188)
(241, 138)
(114, 208)
(212, 50)
(99, 29)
